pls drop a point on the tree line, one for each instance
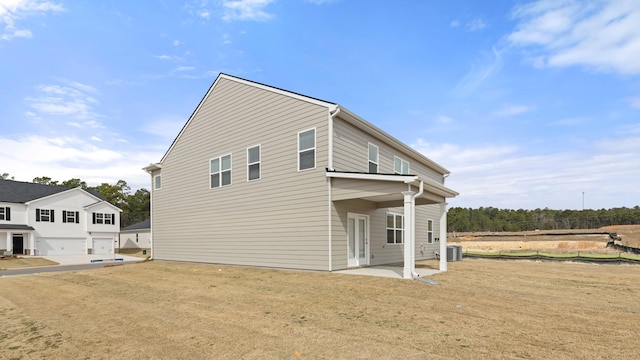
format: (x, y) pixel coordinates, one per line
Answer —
(135, 206)
(493, 219)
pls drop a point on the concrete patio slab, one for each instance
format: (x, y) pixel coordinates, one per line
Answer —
(385, 271)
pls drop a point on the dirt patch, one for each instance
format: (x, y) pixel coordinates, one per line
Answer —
(479, 309)
(630, 234)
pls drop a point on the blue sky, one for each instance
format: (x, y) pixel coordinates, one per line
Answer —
(529, 104)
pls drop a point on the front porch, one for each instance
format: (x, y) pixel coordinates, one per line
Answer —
(17, 239)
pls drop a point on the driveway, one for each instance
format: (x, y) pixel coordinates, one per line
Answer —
(74, 262)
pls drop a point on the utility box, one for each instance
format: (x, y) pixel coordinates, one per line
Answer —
(459, 252)
(452, 253)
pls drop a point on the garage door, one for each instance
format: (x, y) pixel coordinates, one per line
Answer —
(102, 245)
(60, 246)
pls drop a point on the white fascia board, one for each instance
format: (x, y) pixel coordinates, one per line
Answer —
(377, 177)
(434, 187)
(60, 193)
(152, 167)
(375, 131)
(102, 202)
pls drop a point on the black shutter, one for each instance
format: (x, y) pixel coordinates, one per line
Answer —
(7, 213)
(77, 217)
(113, 219)
(94, 218)
(64, 216)
(37, 214)
(52, 215)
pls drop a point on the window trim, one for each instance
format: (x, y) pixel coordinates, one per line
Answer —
(259, 162)
(369, 161)
(66, 217)
(219, 158)
(402, 161)
(6, 213)
(314, 148)
(430, 231)
(50, 215)
(155, 182)
(395, 229)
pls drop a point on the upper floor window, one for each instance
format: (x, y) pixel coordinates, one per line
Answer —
(220, 171)
(373, 158)
(394, 228)
(307, 149)
(400, 166)
(5, 213)
(70, 217)
(253, 163)
(106, 219)
(157, 182)
(430, 231)
(45, 215)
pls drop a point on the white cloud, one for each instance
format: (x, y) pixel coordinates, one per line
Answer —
(13, 11)
(444, 119)
(184, 68)
(177, 43)
(479, 73)
(600, 35)
(71, 99)
(321, 2)
(63, 158)
(475, 25)
(634, 101)
(570, 121)
(512, 110)
(246, 10)
(504, 176)
(166, 128)
(454, 23)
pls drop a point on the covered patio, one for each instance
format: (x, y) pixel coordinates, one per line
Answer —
(397, 191)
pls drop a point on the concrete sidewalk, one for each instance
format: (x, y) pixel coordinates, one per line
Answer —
(89, 259)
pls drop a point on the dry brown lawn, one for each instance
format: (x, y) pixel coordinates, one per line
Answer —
(479, 309)
(19, 262)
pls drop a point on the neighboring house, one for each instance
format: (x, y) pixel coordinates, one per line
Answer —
(37, 219)
(136, 236)
(266, 177)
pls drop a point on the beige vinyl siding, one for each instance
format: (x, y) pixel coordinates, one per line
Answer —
(279, 220)
(351, 153)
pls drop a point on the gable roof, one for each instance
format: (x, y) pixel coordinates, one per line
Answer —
(332, 107)
(20, 192)
(143, 225)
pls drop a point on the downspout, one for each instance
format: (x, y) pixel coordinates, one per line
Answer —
(330, 167)
(413, 230)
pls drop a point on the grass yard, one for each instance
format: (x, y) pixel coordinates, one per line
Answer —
(20, 262)
(479, 309)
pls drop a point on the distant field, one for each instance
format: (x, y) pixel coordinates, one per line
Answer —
(551, 241)
(479, 309)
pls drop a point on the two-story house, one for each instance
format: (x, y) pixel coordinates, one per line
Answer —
(267, 177)
(37, 219)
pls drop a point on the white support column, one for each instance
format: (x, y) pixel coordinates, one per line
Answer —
(407, 224)
(443, 237)
(32, 242)
(9, 241)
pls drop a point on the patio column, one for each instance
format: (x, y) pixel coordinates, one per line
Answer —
(443, 237)
(9, 241)
(407, 225)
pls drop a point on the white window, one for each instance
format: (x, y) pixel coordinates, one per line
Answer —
(101, 218)
(45, 215)
(373, 158)
(5, 213)
(220, 171)
(400, 166)
(394, 228)
(70, 217)
(307, 149)
(157, 182)
(430, 231)
(253, 163)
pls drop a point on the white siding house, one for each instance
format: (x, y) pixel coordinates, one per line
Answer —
(266, 177)
(38, 219)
